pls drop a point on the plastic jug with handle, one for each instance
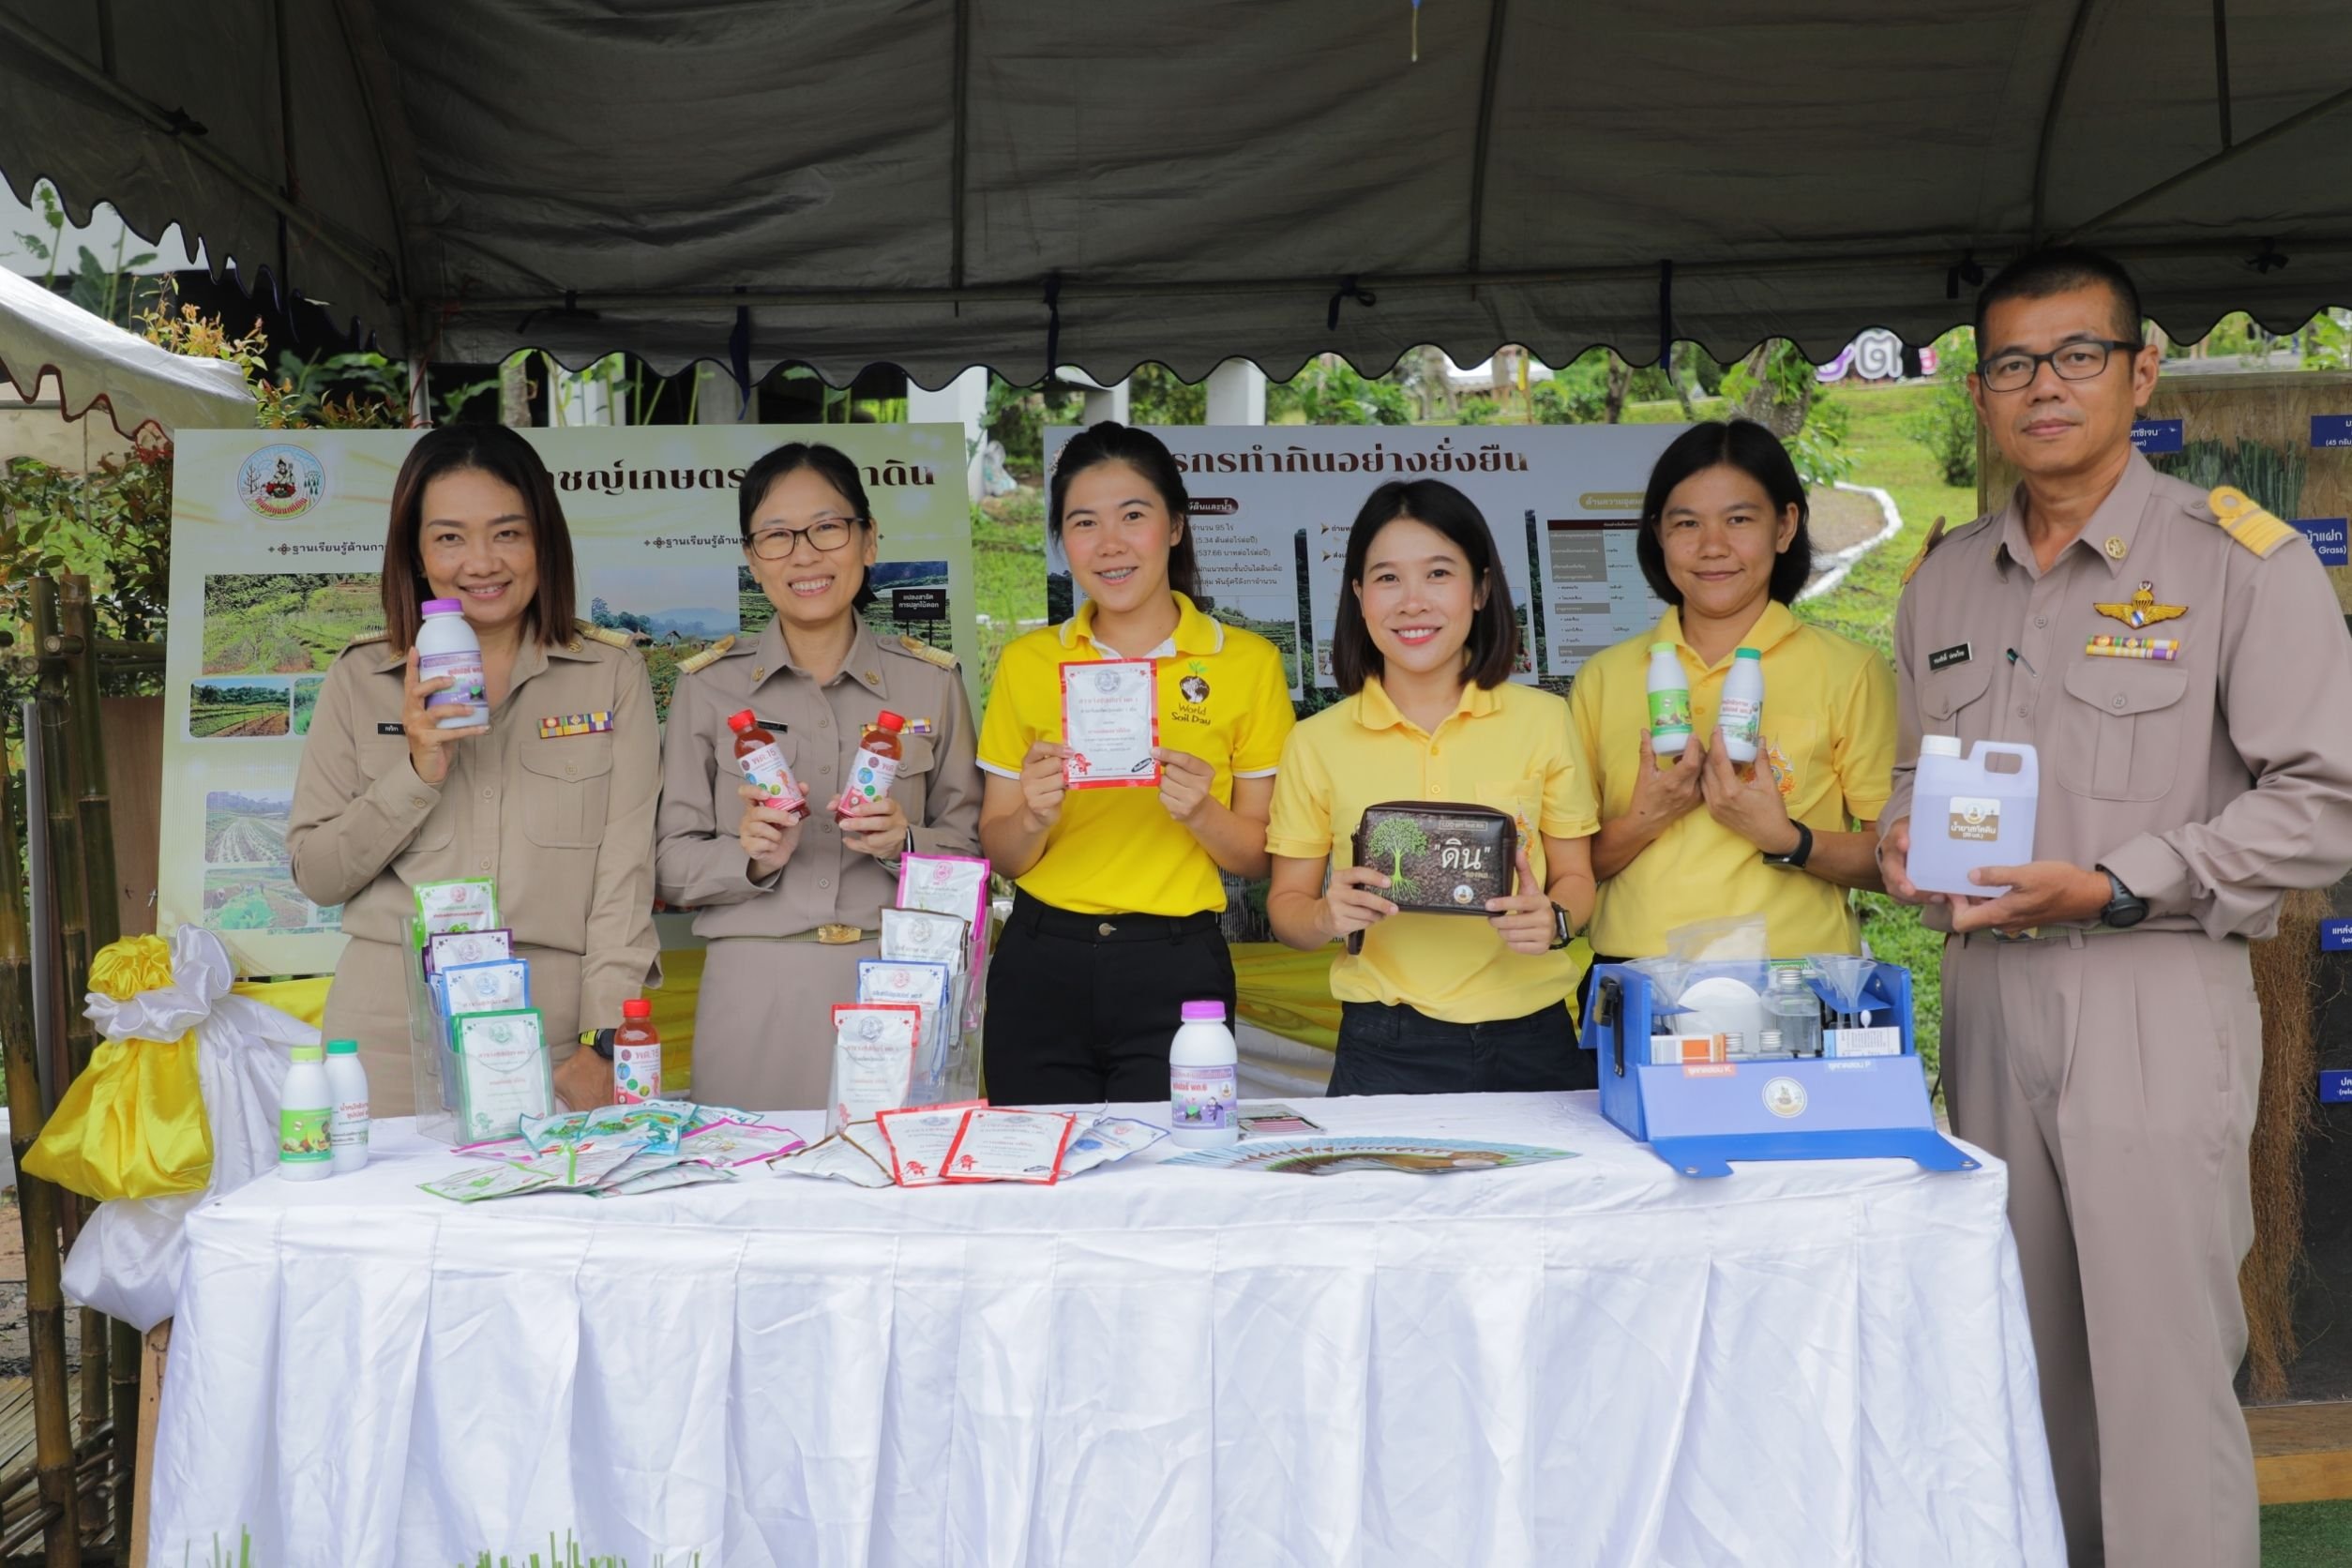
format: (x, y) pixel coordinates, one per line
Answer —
(1971, 811)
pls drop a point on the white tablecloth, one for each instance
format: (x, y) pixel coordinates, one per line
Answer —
(1594, 1361)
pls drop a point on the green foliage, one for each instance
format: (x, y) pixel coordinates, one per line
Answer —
(1155, 396)
(1018, 416)
(603, 615)
(1574, 396)
(1946, 425)
(1818, 448)
(1333, 392)
(2328, 341)
(1478, 411)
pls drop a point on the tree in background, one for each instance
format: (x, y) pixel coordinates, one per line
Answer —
(1947, 426)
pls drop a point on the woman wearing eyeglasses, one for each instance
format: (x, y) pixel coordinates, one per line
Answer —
(788, 909)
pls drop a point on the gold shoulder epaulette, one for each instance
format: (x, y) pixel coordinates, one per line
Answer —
(925, 652)
(2235, 511)
(708, 656)
(365, 637)
(1935, 538)
(611, 636)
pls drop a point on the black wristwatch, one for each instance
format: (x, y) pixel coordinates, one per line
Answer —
(598, 1040)
(2125, 909)
(1563, 928)
(1795, 859)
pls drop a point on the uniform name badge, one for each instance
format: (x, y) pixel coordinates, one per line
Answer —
(1110, 722)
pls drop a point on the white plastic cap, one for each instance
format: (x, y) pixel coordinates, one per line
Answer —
(1939, 745)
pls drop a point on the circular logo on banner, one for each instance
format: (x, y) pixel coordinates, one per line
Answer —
(1784, 1097)
(281, 482)
(1107, 681)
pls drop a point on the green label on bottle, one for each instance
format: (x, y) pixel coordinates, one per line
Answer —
(1670, 712)
(303, 1138)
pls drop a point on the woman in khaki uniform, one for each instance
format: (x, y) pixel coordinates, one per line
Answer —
(788, 911)
(563, 820)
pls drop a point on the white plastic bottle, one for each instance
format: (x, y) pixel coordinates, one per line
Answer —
(1741, 717)
(347, 1125)
(447, 647)
(305, 1104)
(1669, 702)
(1972, 812)
(1203, 1084)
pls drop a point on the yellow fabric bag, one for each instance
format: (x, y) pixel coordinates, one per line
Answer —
(133, 1124)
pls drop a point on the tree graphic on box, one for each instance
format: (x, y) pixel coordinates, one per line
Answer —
(1396, 838)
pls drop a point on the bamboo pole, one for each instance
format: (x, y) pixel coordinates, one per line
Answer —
(102, 902)
(61, 790)
(36, 1206)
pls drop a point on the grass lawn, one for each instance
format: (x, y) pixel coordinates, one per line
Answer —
(1008, 569)
(2307, 1535)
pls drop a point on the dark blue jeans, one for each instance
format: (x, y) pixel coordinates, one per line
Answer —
(1401, 1050)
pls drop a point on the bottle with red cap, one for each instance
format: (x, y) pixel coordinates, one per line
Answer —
(762, 760)
(876, 767)
(635, 1055)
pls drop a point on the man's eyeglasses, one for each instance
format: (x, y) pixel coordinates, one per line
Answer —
(2080, 360)
(776, 544)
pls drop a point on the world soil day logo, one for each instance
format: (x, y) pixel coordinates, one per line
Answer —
(281, 483)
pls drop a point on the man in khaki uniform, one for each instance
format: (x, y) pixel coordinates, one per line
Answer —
(784, 945)
(2180, 666)
(559, 814)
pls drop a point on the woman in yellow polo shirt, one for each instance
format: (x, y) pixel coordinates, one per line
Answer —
(1423, 644)
(1723, 543)
(1114, 922)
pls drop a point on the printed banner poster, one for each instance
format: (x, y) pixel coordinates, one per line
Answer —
(276, 540)
(1272, 506)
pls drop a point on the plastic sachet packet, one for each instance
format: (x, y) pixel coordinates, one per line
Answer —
(495, 1181)
(855, 1155)
(449, 949)
(1108, 1139)
(686, 1174)
(492, 986)
(461, 904)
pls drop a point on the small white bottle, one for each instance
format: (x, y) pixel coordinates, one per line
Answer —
(1740, 715)
(1793, 1012)
(1203, 1083)
(306, 1106)
(447, 647)
(347, 1126)
(1669, 702)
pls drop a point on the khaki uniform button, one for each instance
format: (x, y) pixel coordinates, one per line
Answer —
(2118, 700)
(569, 769)
(487, 794)
(486, 862)
(824, 724)
(825, 881)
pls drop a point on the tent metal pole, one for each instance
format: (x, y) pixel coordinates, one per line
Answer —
(2221, 65)
(187, 135)
(2048, 141)
(959, 91)
(1486, 129)
(2293, 123)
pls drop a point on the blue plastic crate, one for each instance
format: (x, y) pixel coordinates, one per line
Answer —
(1701, 1116)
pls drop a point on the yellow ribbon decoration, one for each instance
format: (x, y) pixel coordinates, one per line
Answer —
(133, 1124)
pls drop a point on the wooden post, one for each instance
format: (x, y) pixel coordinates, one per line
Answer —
(36, 1207)
(102, 912)
(62, 789)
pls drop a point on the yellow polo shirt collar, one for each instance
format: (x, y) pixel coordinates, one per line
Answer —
(1197, 633)
(1376, 710)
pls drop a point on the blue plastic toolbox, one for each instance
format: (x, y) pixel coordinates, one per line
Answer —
(1700, 1116)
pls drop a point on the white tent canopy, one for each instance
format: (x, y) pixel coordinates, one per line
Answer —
(940, 183)
(93, 361)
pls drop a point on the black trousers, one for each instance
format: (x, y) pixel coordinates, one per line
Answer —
(1386, 1049)
(1081, 1007)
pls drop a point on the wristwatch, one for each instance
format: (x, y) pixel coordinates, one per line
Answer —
(2125, 908)
(599, 1041)
(1796, 858)
(1563, 928)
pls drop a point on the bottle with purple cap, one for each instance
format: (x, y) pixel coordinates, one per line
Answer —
(1203, 1083)
(446, 647)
